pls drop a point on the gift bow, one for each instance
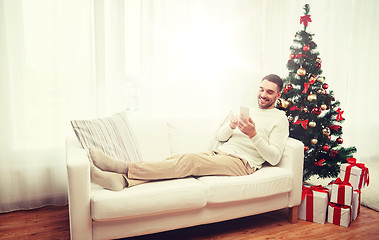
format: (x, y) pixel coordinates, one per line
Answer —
(305, 19)
(303, 123)
(309, 190)
(365, 178)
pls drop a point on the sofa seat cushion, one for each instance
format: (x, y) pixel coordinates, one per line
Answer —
(147, 199)
(265, 182)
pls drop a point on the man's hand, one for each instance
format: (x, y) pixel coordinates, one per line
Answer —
(247, 126)
(234, 122)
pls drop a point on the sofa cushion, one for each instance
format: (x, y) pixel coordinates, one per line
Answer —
(191, 135)
(152, 136)
(264, 182)
(147, 199)
(112, 135)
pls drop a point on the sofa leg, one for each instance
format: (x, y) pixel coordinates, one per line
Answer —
(292, 214)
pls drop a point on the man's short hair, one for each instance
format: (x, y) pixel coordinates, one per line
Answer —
(275, 79)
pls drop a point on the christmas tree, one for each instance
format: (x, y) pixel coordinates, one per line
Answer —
(314, 114)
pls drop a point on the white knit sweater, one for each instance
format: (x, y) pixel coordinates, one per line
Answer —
(268, 145)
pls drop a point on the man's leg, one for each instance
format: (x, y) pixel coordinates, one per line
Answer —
(203, 164)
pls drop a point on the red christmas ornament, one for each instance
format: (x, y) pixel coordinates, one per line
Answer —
(325, 148)
(289, 87)
(292, 56)
(306, 48)
(318, 65)
(316, 110)
(325, 86)
(306, 148)
(340, 140)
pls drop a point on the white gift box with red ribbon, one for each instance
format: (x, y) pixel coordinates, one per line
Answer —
(342, 192)
(356, 174)
(314, 204)
(356, 206)
(339, 214)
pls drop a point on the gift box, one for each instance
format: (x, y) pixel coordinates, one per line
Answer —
(356, 206)
(339, 214)
(355, 173)
(314, 204)
(342, 192)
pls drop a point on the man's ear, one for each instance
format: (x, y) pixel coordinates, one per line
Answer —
(279, 94)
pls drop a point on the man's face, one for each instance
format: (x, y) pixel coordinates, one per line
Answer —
(268, 94)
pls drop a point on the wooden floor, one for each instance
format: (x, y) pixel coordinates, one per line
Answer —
(52, 223)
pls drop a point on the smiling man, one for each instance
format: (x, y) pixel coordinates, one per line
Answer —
(246, 144)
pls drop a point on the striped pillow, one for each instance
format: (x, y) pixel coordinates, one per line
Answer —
(113, 136)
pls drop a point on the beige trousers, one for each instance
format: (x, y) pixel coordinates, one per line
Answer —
(192, 164)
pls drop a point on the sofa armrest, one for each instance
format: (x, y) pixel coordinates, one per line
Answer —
(293, 160)
(79, 185)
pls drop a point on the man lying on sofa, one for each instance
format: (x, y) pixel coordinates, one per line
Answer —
(247, 144)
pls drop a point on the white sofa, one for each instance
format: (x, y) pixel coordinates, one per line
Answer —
(97, 213)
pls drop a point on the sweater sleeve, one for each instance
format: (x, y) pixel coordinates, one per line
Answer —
(225, 132)
(271, 150)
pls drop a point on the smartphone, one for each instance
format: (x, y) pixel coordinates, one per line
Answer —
(245, 111)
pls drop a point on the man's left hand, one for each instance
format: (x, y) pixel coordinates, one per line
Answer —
(247, 126)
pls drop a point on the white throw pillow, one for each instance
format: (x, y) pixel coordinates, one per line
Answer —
(112, 135)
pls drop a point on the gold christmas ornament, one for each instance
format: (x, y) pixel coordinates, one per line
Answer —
(305, 110)
(326, 131)
(323, 106)
(321, 91)
(318, 60)
(314, 141)
(284, 103)
(301, 72)
(312, 124)
(320, 79)
(312, 97)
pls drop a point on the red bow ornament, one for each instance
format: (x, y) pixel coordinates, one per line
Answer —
(339, 114)
(306, 85)
(303, 123)
(305, 20)
(319, 163)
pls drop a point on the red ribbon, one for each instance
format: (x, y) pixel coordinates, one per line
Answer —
(359, 201)
(308, 192)
(364, 178)
(337, 212)
(339, 115)
(303, 123)
(305, 19)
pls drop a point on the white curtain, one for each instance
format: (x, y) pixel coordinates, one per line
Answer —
(75, 59)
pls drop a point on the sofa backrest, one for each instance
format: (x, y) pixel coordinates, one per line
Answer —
(159, 138)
